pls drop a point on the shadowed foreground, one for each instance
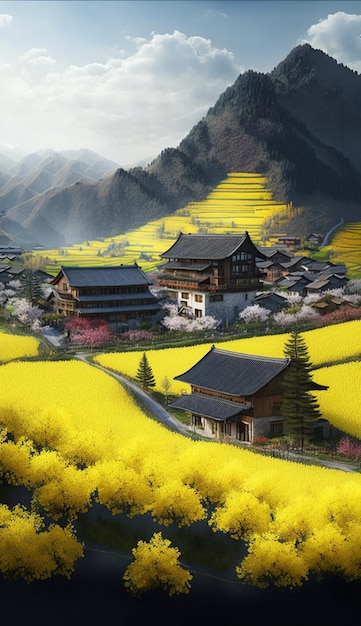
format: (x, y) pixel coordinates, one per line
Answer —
(96, 596)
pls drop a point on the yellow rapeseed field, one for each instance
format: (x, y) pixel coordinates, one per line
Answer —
(68, 414)
(325, 345)
(242, 200)
(17, 346)
(345, 246)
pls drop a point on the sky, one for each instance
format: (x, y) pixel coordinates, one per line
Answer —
(127, 79)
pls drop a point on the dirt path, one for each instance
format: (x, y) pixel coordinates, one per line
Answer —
(173, 424)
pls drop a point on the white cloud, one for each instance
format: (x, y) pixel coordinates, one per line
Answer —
(5, 20)
(127, 108)
(37, 56)
(339, 35)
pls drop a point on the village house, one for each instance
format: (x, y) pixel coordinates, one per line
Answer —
(213, 275)
(119, 295)
(234, 395)
(331, 304)
(271, 301)
(10, 273)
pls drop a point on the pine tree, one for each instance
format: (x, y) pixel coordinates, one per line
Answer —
(299, 406)
(145, 374)
(30, 286)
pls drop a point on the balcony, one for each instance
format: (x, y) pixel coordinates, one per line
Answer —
(242, 284)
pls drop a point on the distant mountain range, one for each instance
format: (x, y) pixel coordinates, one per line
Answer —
(299, 125)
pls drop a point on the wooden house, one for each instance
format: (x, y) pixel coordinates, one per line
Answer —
(212, 275)
(119, 295)
(329, 282)
(329, 305)
(234, 395)
(271, 301)
(290, 242)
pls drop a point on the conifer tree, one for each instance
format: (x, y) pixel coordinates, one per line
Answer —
(299, 406)
(145, 374)
(30, 286)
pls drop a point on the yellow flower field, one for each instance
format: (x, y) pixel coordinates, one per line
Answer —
(75, 413)
(17, 346)
(345, 246)
(325, 345)
(341, 403)
(243, 201)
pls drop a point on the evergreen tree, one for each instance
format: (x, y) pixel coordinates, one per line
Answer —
(145, 374)
(30, 286)
(299, 406)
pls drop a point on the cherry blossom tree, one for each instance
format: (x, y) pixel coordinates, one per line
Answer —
(88, 332)
(26, 313)
(254, 313)
(8, 291)
(176, 322)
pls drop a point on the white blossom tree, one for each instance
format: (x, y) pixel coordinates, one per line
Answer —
(304, 314)
(254, 313)
(26, 313)
(176, 322)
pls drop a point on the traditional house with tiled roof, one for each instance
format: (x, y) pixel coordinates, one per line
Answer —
(119, 295)
(332, 281)
(235, 395)
(329, 305)
(212, 275)
(271, 301)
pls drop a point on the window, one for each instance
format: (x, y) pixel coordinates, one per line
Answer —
(65, 286)
(197, 421)
(185, 295)
(276, 407)
(242, 256)
(198, 298)
(276, 428)
(197, 312)
(218, 297)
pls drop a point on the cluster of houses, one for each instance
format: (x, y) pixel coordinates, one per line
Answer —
(232, 395)
(205, 275)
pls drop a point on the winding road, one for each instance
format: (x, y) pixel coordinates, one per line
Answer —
(156, 409)
(168, 420)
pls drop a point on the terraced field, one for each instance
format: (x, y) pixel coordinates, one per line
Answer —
(345, 247)
(240, 202)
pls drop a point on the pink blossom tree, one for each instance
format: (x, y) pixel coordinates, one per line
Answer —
(88, 332)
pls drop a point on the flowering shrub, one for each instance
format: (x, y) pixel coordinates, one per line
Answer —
(137, 335)
(349, 448)
(156, 566)
(176, 322)
(254, 313)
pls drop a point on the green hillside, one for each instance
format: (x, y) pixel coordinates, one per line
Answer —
(240, 202)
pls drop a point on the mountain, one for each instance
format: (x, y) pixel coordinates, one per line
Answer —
(299, 125)
(32, 177)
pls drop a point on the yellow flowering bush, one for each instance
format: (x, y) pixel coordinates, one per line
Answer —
(156, 566)
(103, 448)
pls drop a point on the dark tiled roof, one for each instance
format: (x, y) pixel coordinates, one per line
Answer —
(275, 297)
(115, 276)
(208, 246)
(232, 372)
(270, 251)
(337, 270)
(296, 260)
(209, 406)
